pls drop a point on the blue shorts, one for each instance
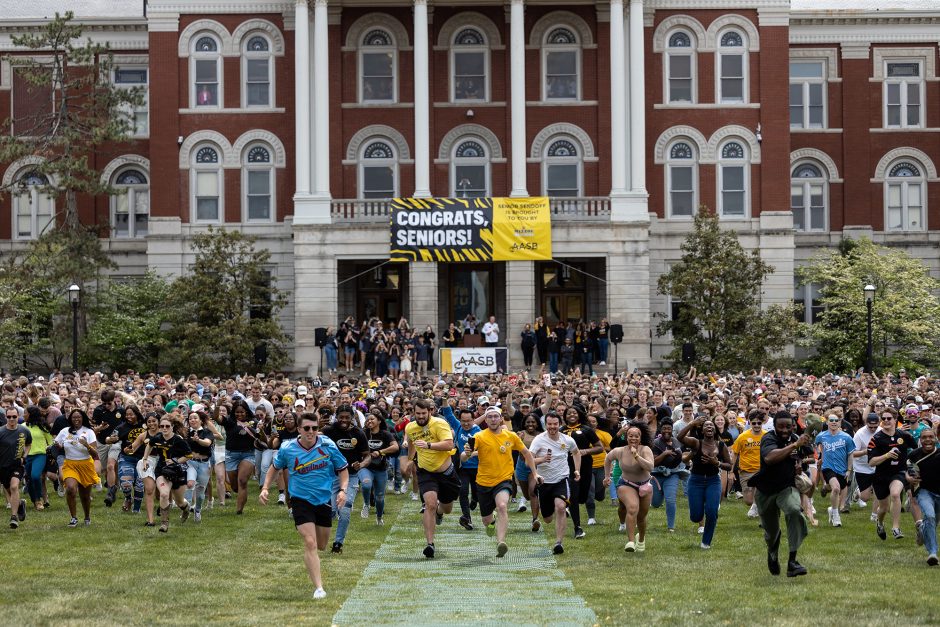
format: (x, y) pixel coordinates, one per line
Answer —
(350, 350)
(393, 364)
(234, 458)
(522, 471)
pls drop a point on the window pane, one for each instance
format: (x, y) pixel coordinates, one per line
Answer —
(806, 69)
(207, 95)
(894, 93)
(732, 89)
(796, 205)
(256, 94)
(562, 180)
(207, 184)
(732, 178)
(206, 71)
(469, 63)
(121, 203)
(207, 208)
(470, 181)
(816, 116)
(913, 194)
(142, 201)
(259, 207)
(121, 225)
(894, 115)
(562, 62)
(680, 90)
(377, 89)
(377, 64)
(256, 70)
(815, 94)
(732, 65)
(680, 66)
(894, 195)
(903, 69)
(817, 218)
(681, 178)
(140, 225)
(682, 203)
(732, 203)
(378, 182)
(796, 94)
(913, 115)
(913, 218)
(259, 182)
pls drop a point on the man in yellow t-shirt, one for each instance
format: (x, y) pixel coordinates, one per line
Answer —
(746, 451)
(493, 447)
(432, 441)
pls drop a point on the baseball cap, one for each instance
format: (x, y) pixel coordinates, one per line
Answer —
(299, 403)
(302, 390)
(525, 403)
(483, 400)
(873, 418)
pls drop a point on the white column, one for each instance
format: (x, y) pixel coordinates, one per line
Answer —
(637, 97)
(618, 130)
(302, 97)
(517, 97)
(422, 104)
(321, 111)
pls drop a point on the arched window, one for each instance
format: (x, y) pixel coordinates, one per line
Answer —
(680, 67)
(377, 62)
(905, 196)
(732, 180)
(470, 170)
(732, 67)
(258, 184)
(469, 62)
(130, 207)
(561, 168)
(206, 195)
(257, 72)
(682, 180)
(378, 170)
(205, 71)
(561, 63)
(33, 208)
(808, 197)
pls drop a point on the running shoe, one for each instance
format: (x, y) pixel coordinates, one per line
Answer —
(439, 518)
(21, 510)
(73, 522)
(423, 508)
(705, 547)
(197, 517)
(126, 507)
(536, 525)
(501, 549)
(522, 507)
(629, 547)
(281, 499)
(365, 511)
(149, 524)
(622, 528)
(932, 560)
(337, 547)
(319, 593)
(880, 530)
(897, 534)
(429, 551)
(109, 499)
(88, 522)
(591, 522)
(491, 529)
(559, 549)
(701, 529)
(379, 522)
(164, 527)
(752, 513)
(184, 514)
(640, 546)
(414, 496)
(579, 533)
(919, 530)
(465, 523)
(14, 522)
(795, 569)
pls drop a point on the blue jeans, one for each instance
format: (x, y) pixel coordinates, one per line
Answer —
(352, 488)
(704, 495)
(394, 472)
(332, 361)
(35, 465)
(197, 472)
(374, 480)
(602, 344)
(929, 505)
(553, 362)
(263, 461)
(666, 489)
(132, 484)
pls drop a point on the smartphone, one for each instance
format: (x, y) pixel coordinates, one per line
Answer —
(472, 442)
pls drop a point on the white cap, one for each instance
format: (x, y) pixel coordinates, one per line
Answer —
(300, 403)
(302, 390)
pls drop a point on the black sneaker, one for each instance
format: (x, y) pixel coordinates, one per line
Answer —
(73, 522)
(109, 499)
(423, 507)
(579, 533)
(465, 523)
(559, 549)
(897, 534)
(429, 551)
(501, 549)
(14, 522)
(795, 569)
(21, 510)
(337, 547)
(536, 525)
(932, 560)
(439, 518)
(880, 530)
(150, 524)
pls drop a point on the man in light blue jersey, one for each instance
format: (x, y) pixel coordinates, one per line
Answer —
(835, 447)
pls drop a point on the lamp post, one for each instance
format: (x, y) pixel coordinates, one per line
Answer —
(74, 291)
(869, 298)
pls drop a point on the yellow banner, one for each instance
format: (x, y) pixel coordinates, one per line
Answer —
(522, 229)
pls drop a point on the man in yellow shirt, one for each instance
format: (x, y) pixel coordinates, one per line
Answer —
(746, 450)
(431, 439)
(493, 447)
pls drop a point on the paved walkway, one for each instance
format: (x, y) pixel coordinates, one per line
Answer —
(465, 580)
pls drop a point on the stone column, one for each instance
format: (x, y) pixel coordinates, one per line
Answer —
(321, 78)
(517, 98)
(315, 296)
(423, 296)
(637, 97)
(302, 98)
(628, 294)
(422, 102)
(520, 308)
(618, 131)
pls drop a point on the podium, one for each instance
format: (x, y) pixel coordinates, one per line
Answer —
(473, 340)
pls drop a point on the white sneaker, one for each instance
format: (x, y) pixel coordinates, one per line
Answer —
(591, 522)
(379, 522)
(862, 504)
(836, 518)
(623, 527)
(752, 513)
(874, 517)
(701, 529)
(831, 519)
(281, 499)
(414, 496)
(522, 507)
(705, 546)
(319, 593)
(603, 363)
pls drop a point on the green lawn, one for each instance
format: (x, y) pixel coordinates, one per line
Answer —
(248, 570)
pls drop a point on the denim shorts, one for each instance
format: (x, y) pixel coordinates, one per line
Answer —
(234, 458)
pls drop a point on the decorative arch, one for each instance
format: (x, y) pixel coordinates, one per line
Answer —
(230, 158)
(458, 132)
(253, 26)
(678, 21)
(686, 132)
(559, 18)
(201, 26)
(119, 162)
(377, 130)
(272, 140)
(19, 165)
(814, 154)
(733, 130)
(377, 20)
(562, 128)
(911, 153)
(467, 19)
(739, 21)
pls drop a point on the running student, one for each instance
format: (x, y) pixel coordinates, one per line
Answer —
(835, 447)
(312, 462)
(635, 489)
(887, 452)
(15, 441)
(552, 450)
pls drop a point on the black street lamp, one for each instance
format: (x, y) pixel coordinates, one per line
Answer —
(74, 292)
(869, 298)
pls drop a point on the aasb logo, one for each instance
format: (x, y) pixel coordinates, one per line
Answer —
(475, 360)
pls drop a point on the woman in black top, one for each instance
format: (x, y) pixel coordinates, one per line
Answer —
(126, 433)
(197, 470)
(374, 477)
(528, 344)
(240, 433)
(172, 453)
(726, 436)
(541, 340)
(668, 469)
(450, 336)
(709, 457)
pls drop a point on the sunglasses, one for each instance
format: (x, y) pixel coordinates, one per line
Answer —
(166, 426)
(309, 428)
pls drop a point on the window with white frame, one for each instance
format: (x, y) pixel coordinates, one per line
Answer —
(561, 169)
(132, 77)
(808, 300)
(469, 60)
(680, 67)
(903, 94)
(808, 197)
(561, 60)
(206, 72)
(682, 180)
(732, 180)
(206, 185)
(378, 171)
(257, 72)
(33, 207)
(377, 57)
(130, 206)
(732, 67)
(258, 184)
(470, 170)
(905, 197)
(807, 94)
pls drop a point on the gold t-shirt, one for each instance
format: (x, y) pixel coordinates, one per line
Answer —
(437, 430)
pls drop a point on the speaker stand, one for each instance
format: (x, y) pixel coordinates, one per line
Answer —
(320, 367)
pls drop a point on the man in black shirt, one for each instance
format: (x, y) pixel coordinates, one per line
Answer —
(887, 454)
(924, 473)
(776, 492)
(589, 444)
(14, 447)
(104, 419)
(353, 444)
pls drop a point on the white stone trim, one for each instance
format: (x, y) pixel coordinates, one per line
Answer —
(820, 157)
(377, 130)
(464, 130)
(20, 164)
(926, 54)
(913, 154)
(829, 55)
(163, 22)
(122, 161)
(257, 25)
(728, 21)
(562, 128)
(674, 22)
(219, 6)
(230, 158)
(561, 18)
(686, 132)
(856, 50)
(6, 74)
(734, 130)
(265, 137)
(201, 26)
(131, 59)
(370, 21)
(469, 19)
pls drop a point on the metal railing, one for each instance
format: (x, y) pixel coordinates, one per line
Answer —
(578, 209)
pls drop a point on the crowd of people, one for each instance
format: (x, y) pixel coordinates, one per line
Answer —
(556, 445)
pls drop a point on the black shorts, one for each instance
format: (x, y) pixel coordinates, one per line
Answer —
(829, 474)
(486, 496)
(883, 483)
(548, 492)
(446, 484)
(306, 512)
(864, 480)
(174, 473)
(8, 472)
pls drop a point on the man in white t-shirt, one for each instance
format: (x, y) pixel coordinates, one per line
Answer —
(551, 450)
(864, 474)
(491, 332)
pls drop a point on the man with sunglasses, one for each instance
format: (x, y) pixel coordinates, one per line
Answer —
(835, 448)
(313, 462)
(887, 452)
(746, 452)
(15, 441)
(864, 473)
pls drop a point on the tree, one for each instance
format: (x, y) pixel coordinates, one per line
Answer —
(905, 310)
(719, 287)
(224, 317)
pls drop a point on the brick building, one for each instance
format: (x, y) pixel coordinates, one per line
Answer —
(800, 121)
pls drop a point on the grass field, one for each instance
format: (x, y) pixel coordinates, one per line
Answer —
(248, 570)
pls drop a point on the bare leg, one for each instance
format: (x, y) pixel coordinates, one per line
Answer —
(309, 534)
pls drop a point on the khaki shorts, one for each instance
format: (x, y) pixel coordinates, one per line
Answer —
(746, 477)
(108, 451)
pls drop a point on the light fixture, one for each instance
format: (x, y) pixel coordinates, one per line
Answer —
(179, 140)
(74, 291)
(470, 113)
(869, 293)
(760, 137)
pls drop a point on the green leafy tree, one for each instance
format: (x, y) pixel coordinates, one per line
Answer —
(905, 310)
(225, 313)
(719, 286)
